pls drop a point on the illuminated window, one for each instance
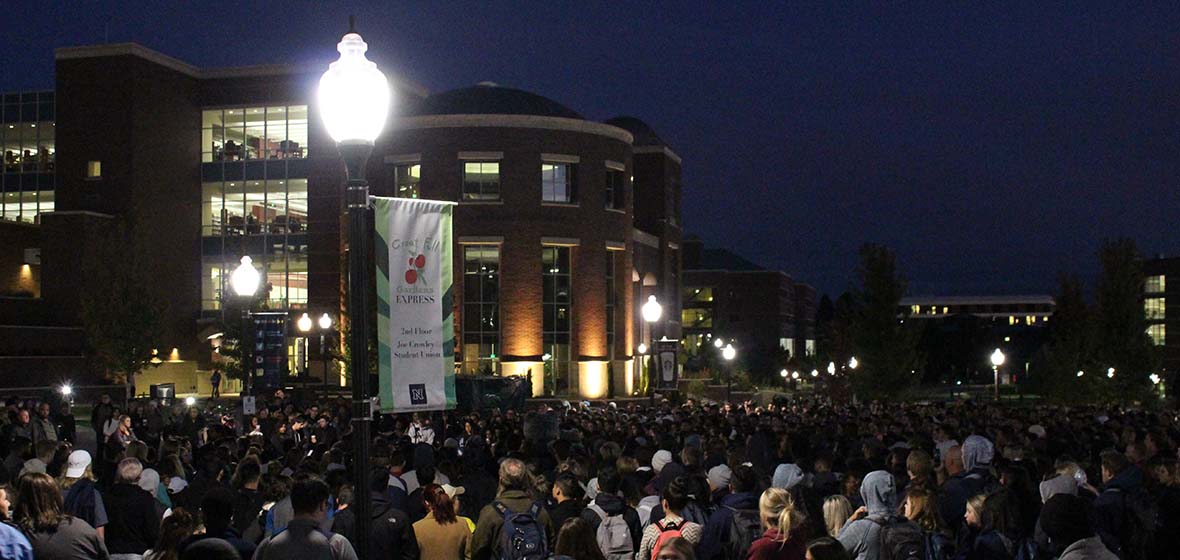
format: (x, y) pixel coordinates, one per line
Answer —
(1153, 308)
(481, 308)
(557, 182)
(249, 133)
(1157, 334)
(93, 169)
(481, 180)
(696, 318)
(1155, 284)
(697, 295)
(915, 309)
(809, 347)
(611, 298)
(406, 179)
(556, 306)
(946, 310)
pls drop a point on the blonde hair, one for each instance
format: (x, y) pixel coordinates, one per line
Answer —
(778, 512)
(837, 510)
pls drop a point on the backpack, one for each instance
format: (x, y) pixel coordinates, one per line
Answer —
(1141, 522)
(1027, 549)
(614, 536)
(745, 526)
(900, 539)
(523, 536)
(668, 531)
(695, 513)
(939, 546)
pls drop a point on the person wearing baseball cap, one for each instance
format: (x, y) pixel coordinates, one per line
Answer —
(454, 492)
(82, 499)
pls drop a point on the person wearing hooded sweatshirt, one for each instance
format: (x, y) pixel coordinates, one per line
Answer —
(862, 535)
(789, 477)
(608, 503)
(1065, 519)
(975, 479)
(743, 495)
(1121, 479)
(392, 535)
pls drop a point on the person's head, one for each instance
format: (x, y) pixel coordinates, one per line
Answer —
(975, 513)
(577, 539)
(309, 498)
(438, 503)
(128, 471)
(514, 475)
(837, 510)
(248, 473)
(826, 548)
(5, 502)
(43, 410)
(39, 504)
(744, 479)
(919, 465)
(125, 422)
(676, 548)
(1113, 463)
(953, 461)
(104, 398)
(777, 508)
(45, 450)
(1065, 519)
(676, 494)
(921, 507)
(217, 509)
(566, 487)
(609, 480)
(174, 529)
(22, 416)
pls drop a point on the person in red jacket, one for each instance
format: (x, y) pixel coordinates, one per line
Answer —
(782, 519)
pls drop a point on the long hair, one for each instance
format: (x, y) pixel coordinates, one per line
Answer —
(681, 546)
(439, 504)
(39, 505)
(577, 540)
(837, 510)
(174, 529)
(924, 509)
(778, 511)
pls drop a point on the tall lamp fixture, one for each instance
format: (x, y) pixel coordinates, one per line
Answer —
(325, 323)
(652, 310)
(244, 281)
(354, 99)
(304, 326)
(729, 353)
(997, 361)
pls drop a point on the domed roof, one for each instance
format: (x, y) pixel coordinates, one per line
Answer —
(490, 99)
(644, 134)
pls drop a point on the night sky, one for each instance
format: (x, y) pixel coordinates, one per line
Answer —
(991, 147)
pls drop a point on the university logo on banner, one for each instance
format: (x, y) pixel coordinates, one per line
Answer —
(415, 304)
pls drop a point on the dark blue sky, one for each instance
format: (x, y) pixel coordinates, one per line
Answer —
(991, 146)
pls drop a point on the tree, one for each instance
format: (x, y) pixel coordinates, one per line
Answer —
(885, 345)
(1069, 349)
(121, 318)
(1122, 341)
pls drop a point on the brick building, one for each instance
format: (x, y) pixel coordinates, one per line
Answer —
(194, 168)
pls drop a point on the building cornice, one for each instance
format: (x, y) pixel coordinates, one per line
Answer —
(515, 121)
(658, 150)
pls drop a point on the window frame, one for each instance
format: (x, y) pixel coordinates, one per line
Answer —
(482, 194)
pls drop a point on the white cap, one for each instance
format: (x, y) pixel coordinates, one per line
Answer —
(77, 463)
(453, 491)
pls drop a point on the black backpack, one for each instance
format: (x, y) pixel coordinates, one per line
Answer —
(522, 537)
(901, 539)
(745, 526)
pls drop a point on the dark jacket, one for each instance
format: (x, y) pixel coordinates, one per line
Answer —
(613, 505)
(485, 543)
(391, 530)
(960, 488)
(568, 509)
(247, 507)
(244, 548)
(717, 529)
(770, 547)
(133, 522)
(1110, 508)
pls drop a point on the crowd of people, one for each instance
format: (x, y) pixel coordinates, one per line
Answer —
(794, 480)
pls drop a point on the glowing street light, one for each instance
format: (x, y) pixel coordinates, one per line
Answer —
(304, 323)
(245, 279)
(795, 375)
(66, 390)
(997, 358)
(1109, 373)
(325, 321)
(852, 363)
(783, 374)
(1081, 373)
(815, 373)
(642, 349)
(729, 353)
(1155, 378)
(190, 401)
(831, 368)
(718, 343)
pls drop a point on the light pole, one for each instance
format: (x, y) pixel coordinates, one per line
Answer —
(304, 326)
(642, 351)
(729, 354)
(245, 281)
(325, 327)
(354, 100)
(652, 310)
(997, 361)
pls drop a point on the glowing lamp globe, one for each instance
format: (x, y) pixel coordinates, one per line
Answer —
(783, 373)
(728, 352)
(997, 358)
(852, 363)
(642, 348)
(718, 343)
(245, 278)
(831, 368)
(304, 323)
(325, 321)
(652, 310)
(354, 95)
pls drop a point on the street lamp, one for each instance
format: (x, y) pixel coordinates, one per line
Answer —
(1110, 373)
(853, 363)
(652, 310)
(729, 354)
(997, 361)
(718, 343)
(354, 99)
(325, 322)
(831, 368)
(304, 326)
(245, 280)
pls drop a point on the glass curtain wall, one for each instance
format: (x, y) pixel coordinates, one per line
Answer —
(481, 309)
(556, 307)
(27, 130)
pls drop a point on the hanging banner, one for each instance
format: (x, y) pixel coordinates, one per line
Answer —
(415, 306)
(669, 365)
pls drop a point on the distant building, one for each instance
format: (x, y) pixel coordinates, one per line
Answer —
(762, 312)
(961, 332)
(1160, 287)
